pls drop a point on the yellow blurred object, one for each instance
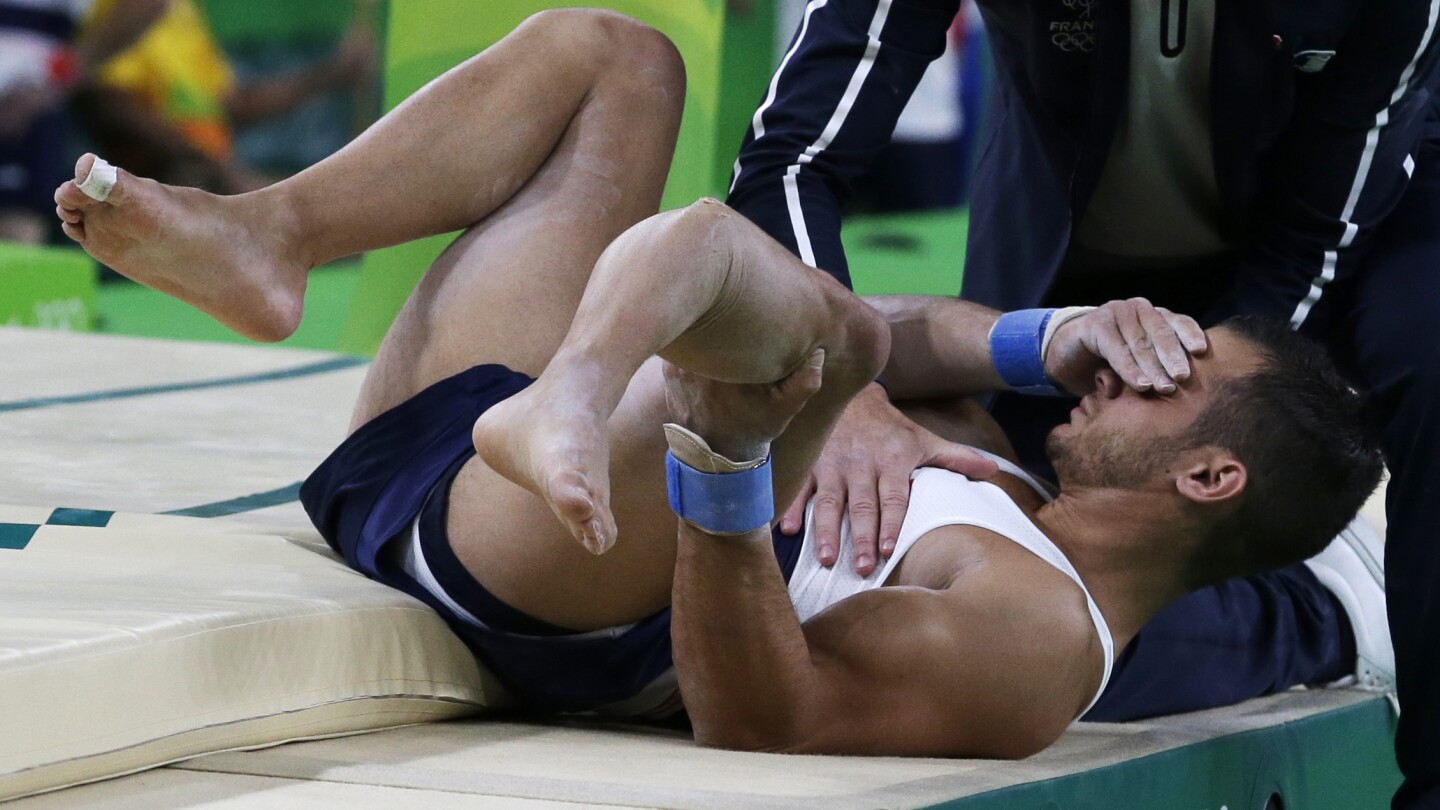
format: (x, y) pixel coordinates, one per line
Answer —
(178, 69)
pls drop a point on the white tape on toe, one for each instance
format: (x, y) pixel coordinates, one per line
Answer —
(100, 181)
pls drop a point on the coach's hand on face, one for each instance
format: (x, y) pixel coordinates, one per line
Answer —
(865, 467)
(1148, 347)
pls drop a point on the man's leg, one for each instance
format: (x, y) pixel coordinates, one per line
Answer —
(1397, 356)
(506, 291)
(446, 158)
(708, 291)
(701, 286)
(721, 300)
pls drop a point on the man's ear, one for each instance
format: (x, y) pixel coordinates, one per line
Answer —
(1212, 478)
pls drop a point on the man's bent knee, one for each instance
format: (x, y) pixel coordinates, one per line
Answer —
(610, 41)
(855, 335)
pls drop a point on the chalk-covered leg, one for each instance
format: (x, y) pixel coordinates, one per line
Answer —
(707, 291)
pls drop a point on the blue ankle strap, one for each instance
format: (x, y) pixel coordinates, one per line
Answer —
(720, 503)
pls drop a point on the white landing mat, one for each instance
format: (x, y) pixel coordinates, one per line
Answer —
(123, 649)
(121, 628)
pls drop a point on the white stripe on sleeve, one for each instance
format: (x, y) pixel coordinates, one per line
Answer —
(797, 217)
(1362, 174)
(757, 122)
(832, 128)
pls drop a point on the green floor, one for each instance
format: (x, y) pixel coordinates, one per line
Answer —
(920, 253)
(908, 253)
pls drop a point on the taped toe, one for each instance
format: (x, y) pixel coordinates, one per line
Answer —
(100, 181)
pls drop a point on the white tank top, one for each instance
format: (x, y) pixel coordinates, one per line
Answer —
(938, 498)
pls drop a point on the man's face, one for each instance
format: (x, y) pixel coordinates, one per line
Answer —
(1120, 438)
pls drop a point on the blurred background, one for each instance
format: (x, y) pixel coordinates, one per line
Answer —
(229, 95)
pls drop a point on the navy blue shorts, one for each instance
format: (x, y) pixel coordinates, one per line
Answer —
(399, 467)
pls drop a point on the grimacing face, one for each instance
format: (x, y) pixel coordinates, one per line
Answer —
(1120, 438)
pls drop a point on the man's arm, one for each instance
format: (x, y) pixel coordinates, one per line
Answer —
(898, 671)
(940, 347)
(830, 108)
(1345, 162)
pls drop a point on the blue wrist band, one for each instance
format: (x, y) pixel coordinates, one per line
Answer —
(720, 503)
(1015, 342)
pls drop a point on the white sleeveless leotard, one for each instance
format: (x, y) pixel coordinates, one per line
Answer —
(938, 498)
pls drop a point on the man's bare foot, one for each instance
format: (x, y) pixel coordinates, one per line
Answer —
(226, 256)
(556, 445)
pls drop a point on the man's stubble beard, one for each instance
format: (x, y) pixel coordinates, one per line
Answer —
(1107, 459)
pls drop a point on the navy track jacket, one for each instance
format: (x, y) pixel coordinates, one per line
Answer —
(1317, 109)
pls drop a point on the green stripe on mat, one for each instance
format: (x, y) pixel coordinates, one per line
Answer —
(319, 367)
(92, 518)
(244, 503)
(1342, 759)
(16, 536)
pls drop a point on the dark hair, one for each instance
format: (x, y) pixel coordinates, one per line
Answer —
(1301, 432)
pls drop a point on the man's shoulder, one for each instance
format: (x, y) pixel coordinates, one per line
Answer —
(1032, 611)
(1018, 611)
(998, 656)
(1039, 644)
(1046, 629)
(1016, 583)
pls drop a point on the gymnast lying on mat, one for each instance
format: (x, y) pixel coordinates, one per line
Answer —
(555, 553)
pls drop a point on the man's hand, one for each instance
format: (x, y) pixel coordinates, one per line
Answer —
(865, 468)
(1149, 347)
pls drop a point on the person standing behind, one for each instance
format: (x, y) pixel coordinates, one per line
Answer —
(1277, 157)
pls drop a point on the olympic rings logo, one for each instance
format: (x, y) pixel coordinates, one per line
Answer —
(1071, 42)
